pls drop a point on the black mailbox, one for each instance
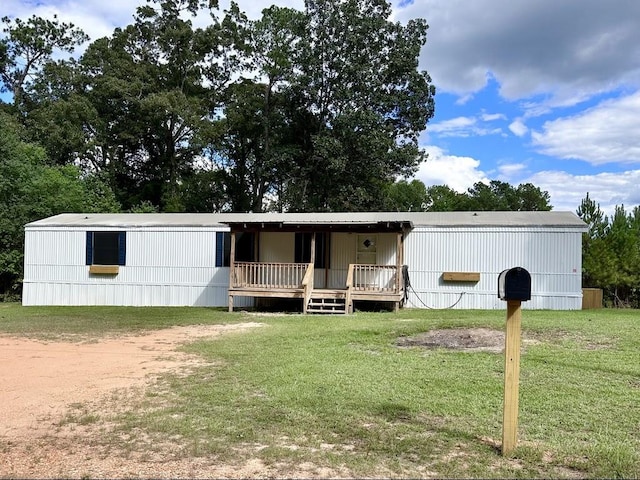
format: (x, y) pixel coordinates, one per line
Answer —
(514, 284)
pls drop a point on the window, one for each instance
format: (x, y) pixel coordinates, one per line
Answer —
(303, 249)
(245, 248)
(106, 248)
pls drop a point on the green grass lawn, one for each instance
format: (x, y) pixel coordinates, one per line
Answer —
(336, 391)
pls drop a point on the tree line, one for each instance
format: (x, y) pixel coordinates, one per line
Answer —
(405, 196)
(611, 253)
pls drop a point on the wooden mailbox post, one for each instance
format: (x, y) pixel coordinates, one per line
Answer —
(514, 287)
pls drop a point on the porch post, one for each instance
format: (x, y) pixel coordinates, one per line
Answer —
(327, 256)
(312, 260)
(232, 269)
(399, 251)
(232, 260)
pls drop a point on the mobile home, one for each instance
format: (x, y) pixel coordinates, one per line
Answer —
(329, 261)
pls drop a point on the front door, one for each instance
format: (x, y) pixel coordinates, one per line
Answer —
(367, 249)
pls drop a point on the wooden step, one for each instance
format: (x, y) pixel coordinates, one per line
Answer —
(326, 304)
(327, 293)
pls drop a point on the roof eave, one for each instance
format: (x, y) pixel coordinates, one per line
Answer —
(317, 226)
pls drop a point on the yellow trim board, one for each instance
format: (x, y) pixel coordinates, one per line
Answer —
(104, 269)
(461, 276)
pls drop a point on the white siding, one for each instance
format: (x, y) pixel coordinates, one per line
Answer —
(387, 248)
(551, 255)
(164, 267)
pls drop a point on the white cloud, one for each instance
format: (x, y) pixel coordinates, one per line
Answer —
(607, 188)
(603, 134)
(464, 99)
(459, 173)
(490, 117)
(569, 50)
(461, 127)
(508, 171)
(518, 128)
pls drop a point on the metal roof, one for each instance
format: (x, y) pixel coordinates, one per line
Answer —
(415, 219)
(129, 220)
(498, 219)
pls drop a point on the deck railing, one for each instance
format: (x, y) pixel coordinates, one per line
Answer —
(360, 277)
(268, 275)
(378, 278)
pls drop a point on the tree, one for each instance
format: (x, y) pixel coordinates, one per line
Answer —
(634, 223)
(403, 196)
(611, 252)
(590, 213)
(202, 190)
(414, 196)
(28, 46)
(330, 112)
(261, 106)
(597, 258)
(624, 245)
(501, 196)
(441, 198)
(242, 146)
(532, 199)
(495, 196)
(60, 116)
(139, 102)
(598, 263)
(30, 189)
(155, 113)
(356, 105)
(252, 142)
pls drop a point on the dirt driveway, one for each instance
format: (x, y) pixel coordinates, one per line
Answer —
(40, 381)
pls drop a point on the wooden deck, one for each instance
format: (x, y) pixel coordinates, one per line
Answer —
(377, 283)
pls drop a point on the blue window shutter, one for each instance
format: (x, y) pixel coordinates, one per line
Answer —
(122, 248)
(89, 258)
(219, 249)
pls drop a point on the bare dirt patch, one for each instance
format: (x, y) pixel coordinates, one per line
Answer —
(44, 381)
(467, 339)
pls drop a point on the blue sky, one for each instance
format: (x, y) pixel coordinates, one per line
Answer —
(545, 91)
